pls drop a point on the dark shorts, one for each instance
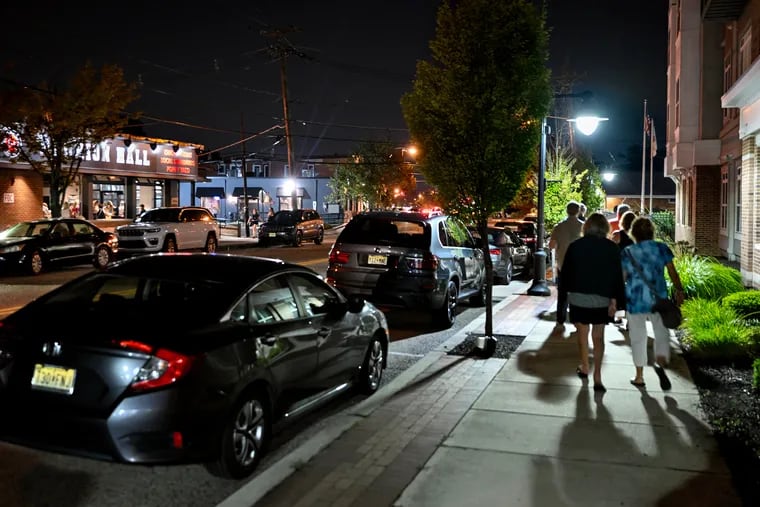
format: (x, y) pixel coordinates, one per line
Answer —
(583, 315)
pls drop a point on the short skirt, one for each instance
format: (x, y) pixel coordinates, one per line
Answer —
(583, 315)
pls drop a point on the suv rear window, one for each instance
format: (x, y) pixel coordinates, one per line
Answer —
(377, 231)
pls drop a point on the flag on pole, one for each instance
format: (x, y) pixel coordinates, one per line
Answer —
(653, 140)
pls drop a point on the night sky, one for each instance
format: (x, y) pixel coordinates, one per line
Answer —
(206, 75)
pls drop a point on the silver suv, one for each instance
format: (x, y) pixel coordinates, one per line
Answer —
(409, 260)
(168, 230)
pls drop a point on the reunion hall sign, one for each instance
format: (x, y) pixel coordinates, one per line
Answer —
(141, 157)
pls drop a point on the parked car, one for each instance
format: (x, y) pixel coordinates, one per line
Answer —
(409, 260)
(522, 256)
(500, 249)
(37, 245)
(525, 229)
(184, 357)
(292, 227)
(170, 229)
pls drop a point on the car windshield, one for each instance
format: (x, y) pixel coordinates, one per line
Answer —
(285, 218)
(25, 230)
(160, 215)
(382, 231)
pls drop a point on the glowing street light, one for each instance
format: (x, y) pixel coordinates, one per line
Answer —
(586, 125)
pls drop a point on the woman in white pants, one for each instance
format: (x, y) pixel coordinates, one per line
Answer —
(644, 264)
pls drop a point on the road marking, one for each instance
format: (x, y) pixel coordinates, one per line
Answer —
(391, 353)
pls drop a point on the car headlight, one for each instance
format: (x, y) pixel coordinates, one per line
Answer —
(153, 230)
(11, 249)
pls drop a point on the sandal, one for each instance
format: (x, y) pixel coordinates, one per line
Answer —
(580, 373)
(664, 380)
(638, 384)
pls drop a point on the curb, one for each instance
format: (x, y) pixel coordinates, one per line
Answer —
(254, 490)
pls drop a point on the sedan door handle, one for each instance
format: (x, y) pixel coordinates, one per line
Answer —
(268, 339)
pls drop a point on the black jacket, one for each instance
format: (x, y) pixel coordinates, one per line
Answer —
(592, 266)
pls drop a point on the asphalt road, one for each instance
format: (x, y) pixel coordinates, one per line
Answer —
(35, 478)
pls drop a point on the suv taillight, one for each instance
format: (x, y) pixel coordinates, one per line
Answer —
(495, 251)
(338, 257)
(424, 262)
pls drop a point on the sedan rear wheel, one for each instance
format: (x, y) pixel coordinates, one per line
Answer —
(245, 437)
(447, 313)
(35, 264)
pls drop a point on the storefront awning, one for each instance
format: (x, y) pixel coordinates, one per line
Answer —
(209, 192)
(300, 192)
(252, 192)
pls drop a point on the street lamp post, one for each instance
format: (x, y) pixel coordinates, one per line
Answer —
(587, 125)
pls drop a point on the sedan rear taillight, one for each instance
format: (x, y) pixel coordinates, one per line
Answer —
(164, 367)
(425, 262)
(495, 251)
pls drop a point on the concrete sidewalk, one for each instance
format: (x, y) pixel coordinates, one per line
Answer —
(458, 431)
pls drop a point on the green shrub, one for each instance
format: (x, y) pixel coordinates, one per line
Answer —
(665, 225)
(714, 332)
(706, 278)
(745, 303)
(756, 374)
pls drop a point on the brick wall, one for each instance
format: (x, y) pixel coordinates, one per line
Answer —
(25, 188)
(706, 220)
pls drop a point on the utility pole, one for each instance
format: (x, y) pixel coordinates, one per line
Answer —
(245, 181)
(280, 49)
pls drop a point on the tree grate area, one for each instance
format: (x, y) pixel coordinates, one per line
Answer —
(506, 344)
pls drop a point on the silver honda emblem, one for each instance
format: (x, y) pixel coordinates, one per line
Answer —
(52, 349)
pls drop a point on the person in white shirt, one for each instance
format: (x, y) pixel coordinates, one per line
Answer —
(564, 233)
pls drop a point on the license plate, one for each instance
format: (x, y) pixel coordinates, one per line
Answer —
(377, 260)
(54, 378)
(272, 234)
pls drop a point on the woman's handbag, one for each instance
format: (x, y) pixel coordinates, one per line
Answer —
(667, 308)
(669, 311)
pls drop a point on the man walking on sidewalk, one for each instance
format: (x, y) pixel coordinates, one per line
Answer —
(564, 233)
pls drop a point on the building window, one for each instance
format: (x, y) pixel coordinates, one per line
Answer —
(745, 51)
(256, 169)
(286, 170)
(738, 217)
(727, 82)
(265, 169)
(724, 197)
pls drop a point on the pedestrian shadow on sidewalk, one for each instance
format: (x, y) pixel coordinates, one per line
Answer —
(709, 486)
(586, 445)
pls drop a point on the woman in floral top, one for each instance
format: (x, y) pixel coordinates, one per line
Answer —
(652, 258)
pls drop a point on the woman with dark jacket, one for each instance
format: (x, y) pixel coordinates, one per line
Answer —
(592, 276)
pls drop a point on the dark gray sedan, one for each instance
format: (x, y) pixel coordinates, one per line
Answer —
(36, 245)
(172, 358)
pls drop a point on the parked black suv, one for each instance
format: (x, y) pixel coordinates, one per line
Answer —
(409, 260)
(292, 227)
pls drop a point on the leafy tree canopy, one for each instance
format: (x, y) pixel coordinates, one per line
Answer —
(563, 184)
(376, 177)
(55, 126)
(475, 109)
